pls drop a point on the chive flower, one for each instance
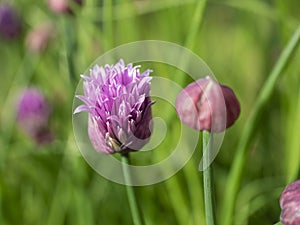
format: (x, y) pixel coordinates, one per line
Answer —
(290, 204)
(10, 24)
(39, 37)
(63, 6)
(117, 98)
(33, 114)
(207, 105)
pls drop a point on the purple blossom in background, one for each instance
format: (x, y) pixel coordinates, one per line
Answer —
(63, 6)
(33, 114)
(290, 204)
(207, 105)
(117, 98)
(39, 37)
(10, 24)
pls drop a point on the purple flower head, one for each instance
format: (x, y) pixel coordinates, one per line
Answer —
(290, 204)
(117, 98)
(33, 115)
(207, 105)
(10, 24)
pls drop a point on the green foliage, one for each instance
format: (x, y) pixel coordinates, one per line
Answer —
(239, 40)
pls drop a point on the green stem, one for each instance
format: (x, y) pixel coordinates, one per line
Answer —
(236, 172)
(191, 37)
(195, 24)
(208, 179)
(134, 208)
(70, 45)
(108, 24)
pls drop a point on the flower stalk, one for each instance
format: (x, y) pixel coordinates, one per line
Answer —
(207, 142)
(134, 208)
(70, 45)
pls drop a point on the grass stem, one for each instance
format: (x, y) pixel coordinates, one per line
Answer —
(208, 180)
(134, 208)
(70, 45)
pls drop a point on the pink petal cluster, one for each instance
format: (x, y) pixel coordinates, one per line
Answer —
(207, 105)
(39, 37)
(63, 6)
(117, 98)
(290, 204)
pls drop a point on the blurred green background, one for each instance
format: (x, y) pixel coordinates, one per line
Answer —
(239, 40)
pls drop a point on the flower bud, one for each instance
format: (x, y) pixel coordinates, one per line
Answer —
(207, 105)
(10, 24)
(290, 204)
(33, 114)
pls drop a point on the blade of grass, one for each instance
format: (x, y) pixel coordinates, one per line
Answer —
(253, 190)
(236, 171)
(258, 7)
(62, 191)
(195, 191)
(191, 37)
(131, 9)
(70, 45)
(21, 80)
(189, 43)
(293, 144)
(208, 180)
(261, 9)
(134, 207)
(108, 24)
(259, 202)
(175, 189)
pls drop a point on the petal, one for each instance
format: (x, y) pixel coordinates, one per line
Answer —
(97, 138)
(81, 108)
